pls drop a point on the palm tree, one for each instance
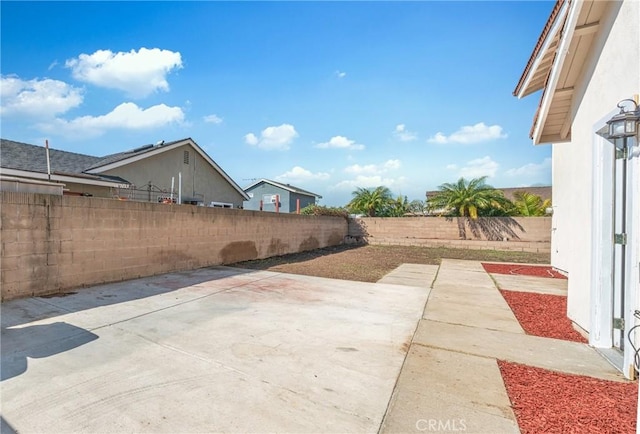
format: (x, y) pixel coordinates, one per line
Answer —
(371, 202)
(417, 207)
(469, 199)
(529, 204)
(398, 207)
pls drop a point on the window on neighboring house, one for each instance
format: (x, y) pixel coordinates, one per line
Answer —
(186, 157)
(220, 205)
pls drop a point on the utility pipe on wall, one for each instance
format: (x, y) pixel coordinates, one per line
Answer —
(46, 145)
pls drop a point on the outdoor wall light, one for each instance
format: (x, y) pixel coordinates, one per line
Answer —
(625, 123)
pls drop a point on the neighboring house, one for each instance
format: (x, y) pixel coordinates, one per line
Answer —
(262, 196)
(544, 192)
(21, 161)
(585, 62)
(173, 171)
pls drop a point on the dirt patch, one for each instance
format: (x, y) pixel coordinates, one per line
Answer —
(551, 402)
(367, 263)
(523, 270)
(542, 315)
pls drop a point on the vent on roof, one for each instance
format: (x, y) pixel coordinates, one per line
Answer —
(143, 148)
(186, 157)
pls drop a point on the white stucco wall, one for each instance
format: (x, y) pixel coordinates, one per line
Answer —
(611, 73)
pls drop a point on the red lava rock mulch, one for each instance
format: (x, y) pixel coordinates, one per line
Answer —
(523, 270)
(542, 315)
(552, 402)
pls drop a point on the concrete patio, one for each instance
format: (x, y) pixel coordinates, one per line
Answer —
(230, 350)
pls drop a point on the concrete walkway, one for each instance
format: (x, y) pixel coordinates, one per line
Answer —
(450, 380)
(230, 350)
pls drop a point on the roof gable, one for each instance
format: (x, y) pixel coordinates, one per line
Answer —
(287, 187)
(17, 156)
(114, 161)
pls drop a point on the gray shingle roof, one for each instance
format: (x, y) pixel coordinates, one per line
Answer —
(22, 156)
(31, 158)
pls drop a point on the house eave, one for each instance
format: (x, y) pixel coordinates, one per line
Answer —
(541, 60)
(579, 26)
(61, 178)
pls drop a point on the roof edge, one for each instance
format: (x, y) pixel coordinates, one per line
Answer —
(290, 188)
(556, 68)
(531, 66)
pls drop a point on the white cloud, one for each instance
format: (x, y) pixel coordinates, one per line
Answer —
(213, 119)
(373, 168)
(392, 165)
(251, 139)
(372, 175)
(273, 138)
(341, 74)
(126, 116)
(403, 134)
(370, 181)
(138, 73)
(300, 174)
(530, 169)
(484, 166)
(39, 98)
(340, 142)
(470, 134)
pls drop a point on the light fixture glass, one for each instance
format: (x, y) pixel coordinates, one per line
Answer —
(625, 123)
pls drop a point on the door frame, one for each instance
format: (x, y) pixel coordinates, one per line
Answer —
(602, 245)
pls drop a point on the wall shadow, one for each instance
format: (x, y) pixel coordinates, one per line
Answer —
(25, 310)
(5, 428)
(292, 258)
(36, 342)
(489, 228)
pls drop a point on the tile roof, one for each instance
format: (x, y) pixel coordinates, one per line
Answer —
(536, 50)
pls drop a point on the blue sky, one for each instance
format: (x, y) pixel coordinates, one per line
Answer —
(327, 96)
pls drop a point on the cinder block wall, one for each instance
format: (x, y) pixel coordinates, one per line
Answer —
(54, 243)
(531, 234)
